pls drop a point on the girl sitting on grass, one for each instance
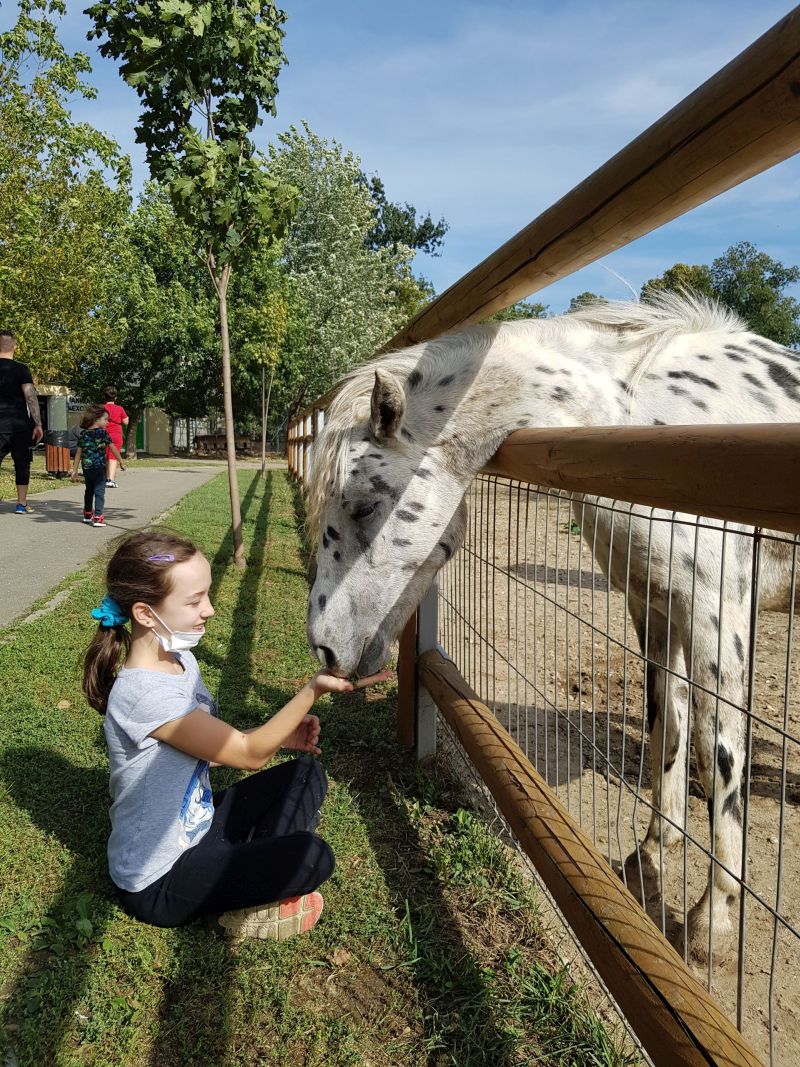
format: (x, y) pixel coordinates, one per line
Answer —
(93, 441)
(177, 851)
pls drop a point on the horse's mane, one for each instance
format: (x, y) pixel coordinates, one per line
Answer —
(646, 326)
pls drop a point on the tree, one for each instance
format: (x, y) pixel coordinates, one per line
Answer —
(349, 298)
(167, 354)
(260, 308)
(397, 225)
(63, 200)
(747, 281)
(217, 62)
(523, 309)
(583, 300)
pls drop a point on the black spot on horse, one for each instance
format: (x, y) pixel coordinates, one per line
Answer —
(753, 380)
(545, 370)
(703, 356)
(406, 516)
(559, 394)
(421, 472)
(737, 641)
(439, 407)
(689, 376)
(679, 390)
(401, 542)
(658, 422)
(333, 534)
(784, 380)
(414, 379)
(447, 549)
(407, 434)
(376, 455)
(323, 600)
(325, 541)
(337, 556)
(415, 504)
(714, 621)
(731, 806)
(447, 380)
(732, 351)
(725, 763)
(381, 486)
(701, 404)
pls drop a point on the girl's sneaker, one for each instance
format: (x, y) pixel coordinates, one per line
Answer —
(111, 484)
(99, 520)
(88, 516)
(274, 922)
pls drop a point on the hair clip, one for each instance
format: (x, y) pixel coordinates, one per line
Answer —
(163, 557)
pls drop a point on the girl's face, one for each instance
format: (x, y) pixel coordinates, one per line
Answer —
(187, 607)
(102, 422)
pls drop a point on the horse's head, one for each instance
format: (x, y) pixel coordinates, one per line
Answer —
(389, 511)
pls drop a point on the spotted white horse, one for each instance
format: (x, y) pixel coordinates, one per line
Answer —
(407, 434)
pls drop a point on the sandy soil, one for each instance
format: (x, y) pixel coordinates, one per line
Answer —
(530, 621)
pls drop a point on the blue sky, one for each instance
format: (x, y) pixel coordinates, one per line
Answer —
(487, 113)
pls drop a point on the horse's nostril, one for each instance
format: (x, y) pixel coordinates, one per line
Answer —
(326, 657)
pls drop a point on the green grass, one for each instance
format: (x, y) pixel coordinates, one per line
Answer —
(428, 952)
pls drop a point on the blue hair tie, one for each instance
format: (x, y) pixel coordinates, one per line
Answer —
(110, 613)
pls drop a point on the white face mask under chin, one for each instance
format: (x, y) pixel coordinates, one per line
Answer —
(178, 640)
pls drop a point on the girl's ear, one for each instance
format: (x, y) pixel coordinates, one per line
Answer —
(141, 613)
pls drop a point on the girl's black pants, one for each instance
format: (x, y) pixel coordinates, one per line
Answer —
(261, 847)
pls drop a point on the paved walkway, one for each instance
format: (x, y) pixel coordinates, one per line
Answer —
(37, 551)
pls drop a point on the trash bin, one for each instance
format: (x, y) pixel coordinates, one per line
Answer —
(56, 452)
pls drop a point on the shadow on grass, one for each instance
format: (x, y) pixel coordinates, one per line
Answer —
(70, 803)
(194, 1009)
(458, 1016)
(223, 557)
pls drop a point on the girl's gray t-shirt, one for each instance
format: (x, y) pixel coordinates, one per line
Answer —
(161, 798)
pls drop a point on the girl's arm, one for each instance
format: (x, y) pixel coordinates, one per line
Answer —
(76, 464)
(201, 735)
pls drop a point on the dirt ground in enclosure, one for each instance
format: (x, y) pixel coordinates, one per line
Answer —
(531, 623)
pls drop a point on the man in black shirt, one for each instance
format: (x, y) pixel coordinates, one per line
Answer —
(19, 404)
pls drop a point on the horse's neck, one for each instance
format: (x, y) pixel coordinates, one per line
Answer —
(537, 383)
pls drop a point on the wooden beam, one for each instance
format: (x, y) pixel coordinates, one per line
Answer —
(743, 473)
(676, 1019)
(407, 684)
(743, 120)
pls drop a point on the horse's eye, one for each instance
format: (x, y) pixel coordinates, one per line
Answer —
(362, 513)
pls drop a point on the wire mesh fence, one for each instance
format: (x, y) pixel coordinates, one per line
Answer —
(546, 611)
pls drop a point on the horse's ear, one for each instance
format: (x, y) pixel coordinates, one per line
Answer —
(387, 407)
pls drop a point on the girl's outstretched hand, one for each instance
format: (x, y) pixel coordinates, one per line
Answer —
(305, 738)
(325, 682)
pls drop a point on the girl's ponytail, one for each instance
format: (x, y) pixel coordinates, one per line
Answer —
(101, 663)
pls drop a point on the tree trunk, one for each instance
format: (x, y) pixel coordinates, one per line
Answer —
(230, 438)
(134, 416)
(265, 416)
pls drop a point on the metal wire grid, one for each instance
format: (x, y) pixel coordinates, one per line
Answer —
(449, 744)
(526, 612)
